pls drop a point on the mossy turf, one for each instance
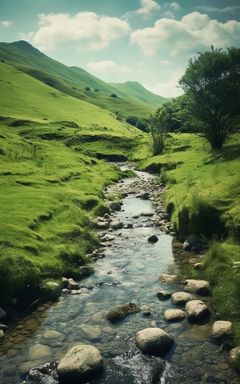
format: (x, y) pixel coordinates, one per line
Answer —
(203, 197)
(51, 188)
(52, 180)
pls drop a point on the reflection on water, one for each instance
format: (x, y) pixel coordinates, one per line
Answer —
(128, 273)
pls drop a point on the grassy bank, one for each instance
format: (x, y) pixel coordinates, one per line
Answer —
(203, 198)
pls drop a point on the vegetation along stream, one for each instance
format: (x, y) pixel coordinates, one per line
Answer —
(128, 270)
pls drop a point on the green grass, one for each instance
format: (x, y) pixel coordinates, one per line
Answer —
(203, 197)
(133, 99)
(52, 180)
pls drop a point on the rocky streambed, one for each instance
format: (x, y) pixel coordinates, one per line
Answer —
(138, 288)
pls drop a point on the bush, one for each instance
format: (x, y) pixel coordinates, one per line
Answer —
(114, 96)
(87, 89)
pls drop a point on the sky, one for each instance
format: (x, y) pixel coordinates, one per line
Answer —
(149, 41)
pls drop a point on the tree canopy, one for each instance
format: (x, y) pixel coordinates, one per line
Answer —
(212, 84)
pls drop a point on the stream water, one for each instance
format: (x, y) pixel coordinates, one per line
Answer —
(129, 272)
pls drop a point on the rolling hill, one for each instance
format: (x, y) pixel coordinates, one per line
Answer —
(132, 98)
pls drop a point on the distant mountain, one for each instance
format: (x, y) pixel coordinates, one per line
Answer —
(132, 98)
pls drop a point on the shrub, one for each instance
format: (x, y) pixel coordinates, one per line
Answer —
(114, 96)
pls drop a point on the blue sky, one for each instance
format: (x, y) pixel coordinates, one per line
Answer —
(149, 41)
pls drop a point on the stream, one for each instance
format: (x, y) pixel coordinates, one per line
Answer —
(129, 272)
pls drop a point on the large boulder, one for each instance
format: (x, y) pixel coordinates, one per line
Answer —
(234, 358)
(154, 341)
(80, 363)
(122, 311)
(181, 298)
(197, 286)
(196, 311)
(174, 315)
(222, 331)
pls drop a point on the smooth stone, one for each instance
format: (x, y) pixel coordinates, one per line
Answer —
(197, 286)
(234, 358)
(25, 367)
(146, 310)
(72, 284)
(168, 278)
(181, 298)
(153, 239)
(147, 214)
(1, 334)
(198, 266)
(163, 295)
(122, 311)
(52, 334)
(2, 313)
(154, 341)
(80, 363)
(39, 351)
(101, 224)
(115, 206)
(174, 315)
(221, 331)
(92, 332)
(196, 311)
(116, 225)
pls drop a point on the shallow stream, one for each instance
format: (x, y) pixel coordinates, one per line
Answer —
(129, 272)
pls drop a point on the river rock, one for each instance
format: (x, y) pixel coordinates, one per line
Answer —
(234, 358)
(192, 243)
(221, 331)
(181, 298)
(1, 334)
(92, 332)
(174, 315)
(153, 239)
(52, 289)
(146, 310)
(52, 334)
(154, 341)
(39, 351)
(197, 286)
(3, 327)
(163, 295)
(72, 284)
(99, 224)
(116, 225)
(80, 363)
(196, 311)
(147, 214)
(198, 266)
(120, 312)
(168, 278)
(115, 206)
(2, 313)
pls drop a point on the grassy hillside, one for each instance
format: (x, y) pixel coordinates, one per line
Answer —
(73, 81)
(138, 92)
(52, 180)
(203, 197)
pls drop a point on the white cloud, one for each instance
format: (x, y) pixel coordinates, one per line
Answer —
(170, 87)
(195, 31)
(218, 10)
(5, 23)
(147, 7)
(86, 30)
(174, 5)
(108, 69)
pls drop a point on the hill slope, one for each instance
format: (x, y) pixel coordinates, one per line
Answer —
(74, 81)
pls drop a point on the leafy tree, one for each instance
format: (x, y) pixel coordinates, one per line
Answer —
(158, 124)
(114, 96)
(87, 89)
(212, 84)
